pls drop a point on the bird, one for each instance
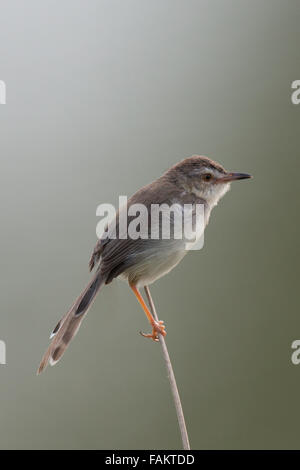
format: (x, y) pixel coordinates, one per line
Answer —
(196, 180)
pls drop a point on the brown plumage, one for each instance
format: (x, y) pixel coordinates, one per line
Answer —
(67, 327)
(142, 261)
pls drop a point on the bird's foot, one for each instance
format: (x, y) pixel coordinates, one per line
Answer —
(158, 327)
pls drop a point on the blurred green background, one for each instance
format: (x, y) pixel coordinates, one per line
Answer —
(102, 97)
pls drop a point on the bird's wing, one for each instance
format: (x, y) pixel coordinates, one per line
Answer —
(118, 254)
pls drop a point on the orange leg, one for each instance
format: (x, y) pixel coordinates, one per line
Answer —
(157, 327)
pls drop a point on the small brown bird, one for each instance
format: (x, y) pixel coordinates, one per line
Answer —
(141, 261)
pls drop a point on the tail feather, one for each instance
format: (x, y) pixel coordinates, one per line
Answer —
(68, 326)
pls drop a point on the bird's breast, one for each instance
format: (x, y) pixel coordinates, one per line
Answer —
(155, 263)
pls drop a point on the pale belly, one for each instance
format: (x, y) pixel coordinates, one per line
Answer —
(153, 267)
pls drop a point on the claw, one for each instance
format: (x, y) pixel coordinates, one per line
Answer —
(158, 328)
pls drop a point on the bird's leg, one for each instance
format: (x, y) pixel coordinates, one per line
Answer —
(157, 326)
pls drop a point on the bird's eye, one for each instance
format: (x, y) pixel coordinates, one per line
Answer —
(207, 176)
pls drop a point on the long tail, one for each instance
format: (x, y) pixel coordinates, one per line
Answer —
(68, 326)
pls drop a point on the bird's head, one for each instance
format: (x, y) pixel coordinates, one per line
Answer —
(205, 178)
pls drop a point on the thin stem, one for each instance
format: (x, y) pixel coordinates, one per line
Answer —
(172, 380)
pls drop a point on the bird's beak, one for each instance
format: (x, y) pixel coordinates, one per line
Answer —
(232, 177)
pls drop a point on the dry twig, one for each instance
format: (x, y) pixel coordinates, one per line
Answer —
(171, 377)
